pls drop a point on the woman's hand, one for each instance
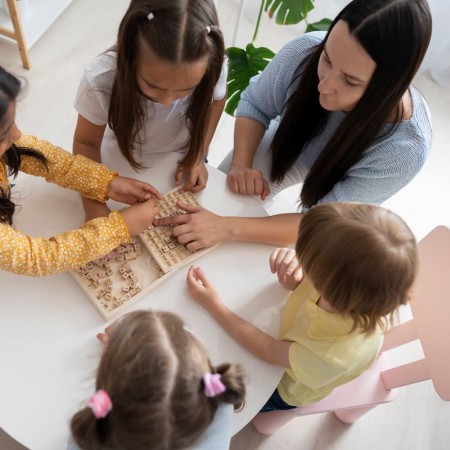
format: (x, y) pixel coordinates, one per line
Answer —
(196, 177)
(284, 262)
(201, 289)
(131, 191)
(247, 181)
(198, 229)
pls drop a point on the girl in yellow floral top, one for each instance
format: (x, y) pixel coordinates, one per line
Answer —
(38, 256)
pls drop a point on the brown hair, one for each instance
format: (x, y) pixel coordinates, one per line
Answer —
(152, 369)
(178, 33)
(362, 259)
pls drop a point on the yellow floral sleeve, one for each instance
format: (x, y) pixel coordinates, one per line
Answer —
(82, 174)
(26, 255)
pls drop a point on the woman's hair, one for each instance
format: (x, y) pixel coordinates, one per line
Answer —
(9, 91)
(179, 32)
(152, 369)
(396, 34)
(361, 258)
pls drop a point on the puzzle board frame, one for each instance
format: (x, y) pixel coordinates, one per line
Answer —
(120, 279)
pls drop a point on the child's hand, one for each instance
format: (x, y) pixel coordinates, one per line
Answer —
(104, 337)
(201, 290)
(131, 191)
(196, 177)
(139, 216)
(284, 262)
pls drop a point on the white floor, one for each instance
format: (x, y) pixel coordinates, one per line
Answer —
(417, 419)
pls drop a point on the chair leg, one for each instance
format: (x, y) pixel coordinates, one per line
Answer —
(269, 422)
(350, 415)
(19, 35)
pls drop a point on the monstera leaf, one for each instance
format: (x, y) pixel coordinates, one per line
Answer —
(288, 12)
(242, 65)
(322, 25)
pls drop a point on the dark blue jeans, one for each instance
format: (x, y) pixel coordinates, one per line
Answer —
(275, 402)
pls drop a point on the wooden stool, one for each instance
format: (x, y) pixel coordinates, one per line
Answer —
(17, 33)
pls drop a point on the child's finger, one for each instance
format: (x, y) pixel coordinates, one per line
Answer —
(200, 276)
(102, 337)
(149, 189)
(178, 176)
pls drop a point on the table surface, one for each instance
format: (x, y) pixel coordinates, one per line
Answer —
(48, 348)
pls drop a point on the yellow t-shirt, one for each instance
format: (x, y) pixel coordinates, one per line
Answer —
(38, 256)
(322, 355)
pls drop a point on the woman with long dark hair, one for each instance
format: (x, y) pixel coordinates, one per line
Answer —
(341, 117)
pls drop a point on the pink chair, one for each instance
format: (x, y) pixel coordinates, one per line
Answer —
(431, 324)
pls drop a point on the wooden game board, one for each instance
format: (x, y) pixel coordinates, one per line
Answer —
(119, 279)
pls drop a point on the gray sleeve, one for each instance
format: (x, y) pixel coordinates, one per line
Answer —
(265, 97)
(384, 170)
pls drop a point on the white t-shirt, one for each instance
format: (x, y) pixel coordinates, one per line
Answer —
(165, 129)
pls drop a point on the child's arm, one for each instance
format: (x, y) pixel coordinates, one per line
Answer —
(198, 175)
(26, 255)
(91, 179)
(87, 142)
(262, 345)
(284, 262)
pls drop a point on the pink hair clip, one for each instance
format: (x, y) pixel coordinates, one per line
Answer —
(212, 384)
(100, 403)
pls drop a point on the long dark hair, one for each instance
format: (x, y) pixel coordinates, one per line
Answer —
(9, 90)
(152, 369)
(177, 33)
(396, 34)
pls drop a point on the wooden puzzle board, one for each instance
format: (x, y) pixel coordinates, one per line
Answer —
(168, 253)
(120, 279)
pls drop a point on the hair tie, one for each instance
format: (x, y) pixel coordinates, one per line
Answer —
(208, 29)
(212, 384)
(100, 403)
(150, 16)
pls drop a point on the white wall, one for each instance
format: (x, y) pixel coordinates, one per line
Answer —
(274, 36)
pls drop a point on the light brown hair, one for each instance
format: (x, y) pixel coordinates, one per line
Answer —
(152, 369)
(362, 259)
(177, 33)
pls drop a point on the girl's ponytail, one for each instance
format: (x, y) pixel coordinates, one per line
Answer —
(89, 432)
(232, 376)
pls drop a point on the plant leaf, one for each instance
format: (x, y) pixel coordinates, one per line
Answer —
(242, 65)
(322, 25)
(289, 12)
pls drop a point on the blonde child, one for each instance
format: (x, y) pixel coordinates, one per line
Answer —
(38, 256)
(352, 267)
(156, 389)
(161, 88)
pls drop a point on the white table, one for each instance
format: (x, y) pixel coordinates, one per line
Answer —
(48, 349)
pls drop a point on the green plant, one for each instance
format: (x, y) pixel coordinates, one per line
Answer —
(248, 62)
